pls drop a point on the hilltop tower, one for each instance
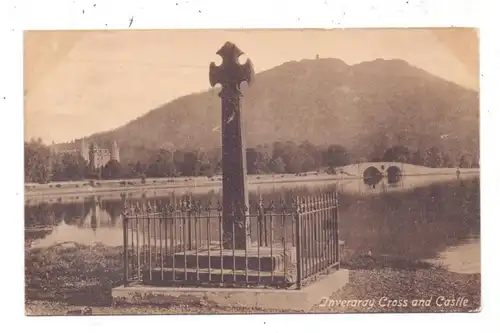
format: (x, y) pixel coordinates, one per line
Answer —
(115, 152)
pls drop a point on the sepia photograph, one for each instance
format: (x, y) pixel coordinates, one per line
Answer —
(251, 171)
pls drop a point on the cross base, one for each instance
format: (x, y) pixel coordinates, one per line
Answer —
(214, 276)
(254, 258)
(256, 264)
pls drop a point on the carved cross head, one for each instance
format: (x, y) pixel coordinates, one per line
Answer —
(230, 74)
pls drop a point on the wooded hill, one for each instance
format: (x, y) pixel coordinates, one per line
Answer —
(367, 108)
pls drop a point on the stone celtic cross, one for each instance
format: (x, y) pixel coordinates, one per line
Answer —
(230, 74)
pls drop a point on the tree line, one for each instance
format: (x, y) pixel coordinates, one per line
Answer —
(43, 165)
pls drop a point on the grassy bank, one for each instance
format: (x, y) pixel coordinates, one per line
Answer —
(73, 273)
(69, 276)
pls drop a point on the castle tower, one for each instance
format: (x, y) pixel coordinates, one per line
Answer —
(115, 152)
(84, 151)
(92, 157)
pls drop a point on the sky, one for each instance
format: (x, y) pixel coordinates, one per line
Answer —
(77, 83)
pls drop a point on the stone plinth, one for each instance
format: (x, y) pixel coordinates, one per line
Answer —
(252, 298)
(264, 259)
(191, 276)
(267, 265)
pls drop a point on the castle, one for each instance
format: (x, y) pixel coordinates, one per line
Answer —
(99, 157)
(96, 157)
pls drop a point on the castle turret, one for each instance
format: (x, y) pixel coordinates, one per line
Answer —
(115, 152)
(84, 151)
(92, 157)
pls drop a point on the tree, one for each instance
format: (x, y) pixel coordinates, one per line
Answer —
(309, 163)
(416, 158)
(277, 165)
(313, 158)
(192, 164)
(58, 172)
(94, 173)
(215, 158)
(380, 145)
(252, 161)
(335, 156)
(397, 154)
(179, 161)
(433, 157)
(447, 161)
(112, 170)
(204, 166)
(207, 170)
(264, 157)
(294, 163)
(139, 169)
(75, 165)
(162, 165)
(464, 163)
(296, 158)
(37, 162)
(127, 170)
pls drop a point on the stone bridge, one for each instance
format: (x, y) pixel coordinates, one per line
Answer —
(372, 169)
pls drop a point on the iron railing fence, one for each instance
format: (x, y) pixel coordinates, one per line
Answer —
(182, 243)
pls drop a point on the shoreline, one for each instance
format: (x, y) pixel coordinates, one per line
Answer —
(85, 187)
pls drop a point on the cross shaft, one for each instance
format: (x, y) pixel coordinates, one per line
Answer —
(230, 74)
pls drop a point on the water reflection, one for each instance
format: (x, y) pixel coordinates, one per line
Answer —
(414, 217)
(416, 224)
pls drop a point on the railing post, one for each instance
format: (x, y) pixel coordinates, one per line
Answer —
(337, 245)
(260, 221)
(298, 244)
(125, 250)
(149, 211)
(189, 223)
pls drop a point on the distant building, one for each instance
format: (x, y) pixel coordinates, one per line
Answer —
(95, 156)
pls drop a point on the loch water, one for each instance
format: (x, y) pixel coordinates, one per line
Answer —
(434, 218)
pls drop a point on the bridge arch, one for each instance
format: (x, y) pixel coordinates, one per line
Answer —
(372, 175)
(393, 174)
